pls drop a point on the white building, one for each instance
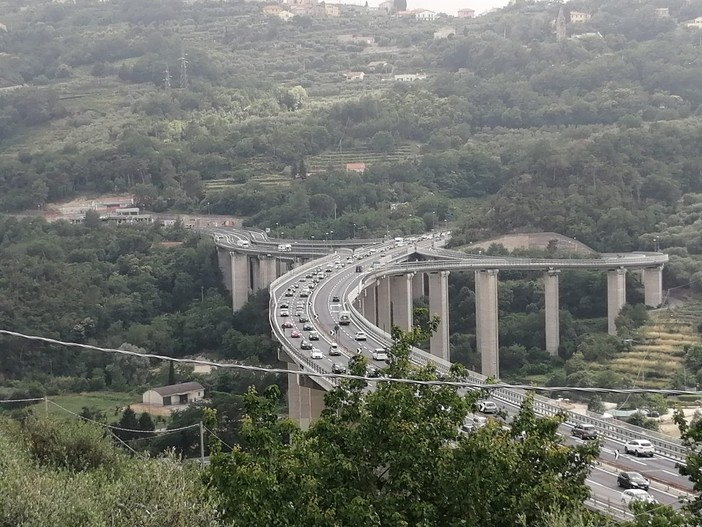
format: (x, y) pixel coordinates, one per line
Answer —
(424, 14)
(577, 17)
(410, 77)
(174, 395)
(695, 22)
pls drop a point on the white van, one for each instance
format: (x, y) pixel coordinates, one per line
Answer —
(243, 243)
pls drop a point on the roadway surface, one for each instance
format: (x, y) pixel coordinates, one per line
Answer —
(667, 485)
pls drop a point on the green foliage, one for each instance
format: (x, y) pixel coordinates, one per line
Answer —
(394, 456)
(104, 488)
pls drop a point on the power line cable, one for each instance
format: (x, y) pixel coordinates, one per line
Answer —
(325, 375)
(219, 439)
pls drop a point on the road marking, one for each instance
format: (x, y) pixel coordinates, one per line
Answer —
(598, 484)
(671, 473)
(636, 461)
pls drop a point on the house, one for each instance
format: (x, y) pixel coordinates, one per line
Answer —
(324, 10)
(578, 17)
(285, 15)
(356, 167)
(174, 395)
(424, 14)
(444, 32)
(466, 13)
(662, 12)
(695, 22)
(273, 10)
(387, 7)
(584, 36)
(307, 3)
(410, 77)
(354, 75)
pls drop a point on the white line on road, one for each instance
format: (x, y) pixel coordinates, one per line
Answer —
(636, 461)
(671, 473)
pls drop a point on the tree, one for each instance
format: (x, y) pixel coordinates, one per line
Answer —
(382, 142)
(129, 424)
(302, 169)
(394, 456)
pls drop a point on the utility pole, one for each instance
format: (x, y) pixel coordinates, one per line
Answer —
(46, 406)
(183, 71)
(202, 444)
(167, 79)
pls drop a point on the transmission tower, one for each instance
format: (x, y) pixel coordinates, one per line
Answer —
(183, 71)
(167, 78)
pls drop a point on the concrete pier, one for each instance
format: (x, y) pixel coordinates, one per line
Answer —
(552, 313)
(616, 297)
(486, 321)
(439, 345)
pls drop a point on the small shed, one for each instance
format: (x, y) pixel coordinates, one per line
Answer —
(174, 395)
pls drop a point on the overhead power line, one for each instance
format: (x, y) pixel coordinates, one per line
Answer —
(314, 374)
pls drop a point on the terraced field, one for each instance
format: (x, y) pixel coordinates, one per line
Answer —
(659, 356)
(338, 160)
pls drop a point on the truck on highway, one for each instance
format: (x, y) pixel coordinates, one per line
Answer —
(399, 241)
(243, 243)
(284, 247)
(344, 318)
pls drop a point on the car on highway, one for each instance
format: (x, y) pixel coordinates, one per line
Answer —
(372, 371)
(360, 335)
(317, 353)
(584, 431)
(487, 407)
(335, 298)
(295, 334)
(299, 312)
(304, 293)
(639, 447)
(287, 324)
(308, 327)
(284, 305)
(303, 319)
(338, 368)
(305, 345)
(285, 313)
(636, 495)
(334, 350)
(289, 293)
(380, 354)
(313, 335)
(632, 480)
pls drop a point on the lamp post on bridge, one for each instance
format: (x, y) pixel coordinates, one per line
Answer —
(354, 231)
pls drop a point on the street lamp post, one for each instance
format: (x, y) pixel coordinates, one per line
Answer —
(331, 240)
(354, 231)
(655, 244)
(433, 220)
(277, 230)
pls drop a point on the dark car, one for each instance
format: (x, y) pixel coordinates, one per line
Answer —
(305, 345)
(308, 327)
(372, 371)
(632, 480)
(335, 298)
(337, 367)
(584, 431)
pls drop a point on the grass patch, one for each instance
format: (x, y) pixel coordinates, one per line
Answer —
(109, 402)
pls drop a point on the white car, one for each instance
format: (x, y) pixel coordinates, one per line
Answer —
(629, 496)
(360, 335)
(317, 353)
(380, 354)
(639, 447)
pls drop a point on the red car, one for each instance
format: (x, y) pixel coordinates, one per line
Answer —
(287, 324)
(295, 334)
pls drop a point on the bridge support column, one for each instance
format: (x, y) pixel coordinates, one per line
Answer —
(418, 286)
(439, 345)
(369, 305)
(552, 312)
(401, 295)
(486, 321)
(653, 286)
(383, 311)
(266, 271)
(616, 297)
(293, 394)
(224, 261)
(311, 401)
(240, 280)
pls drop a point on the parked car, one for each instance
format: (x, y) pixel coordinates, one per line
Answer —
(334, 350)
(487, 407)
(633, 495)
(584, 431)
(317, 353)
(632, 480)
(338, 368)
(639, 447)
